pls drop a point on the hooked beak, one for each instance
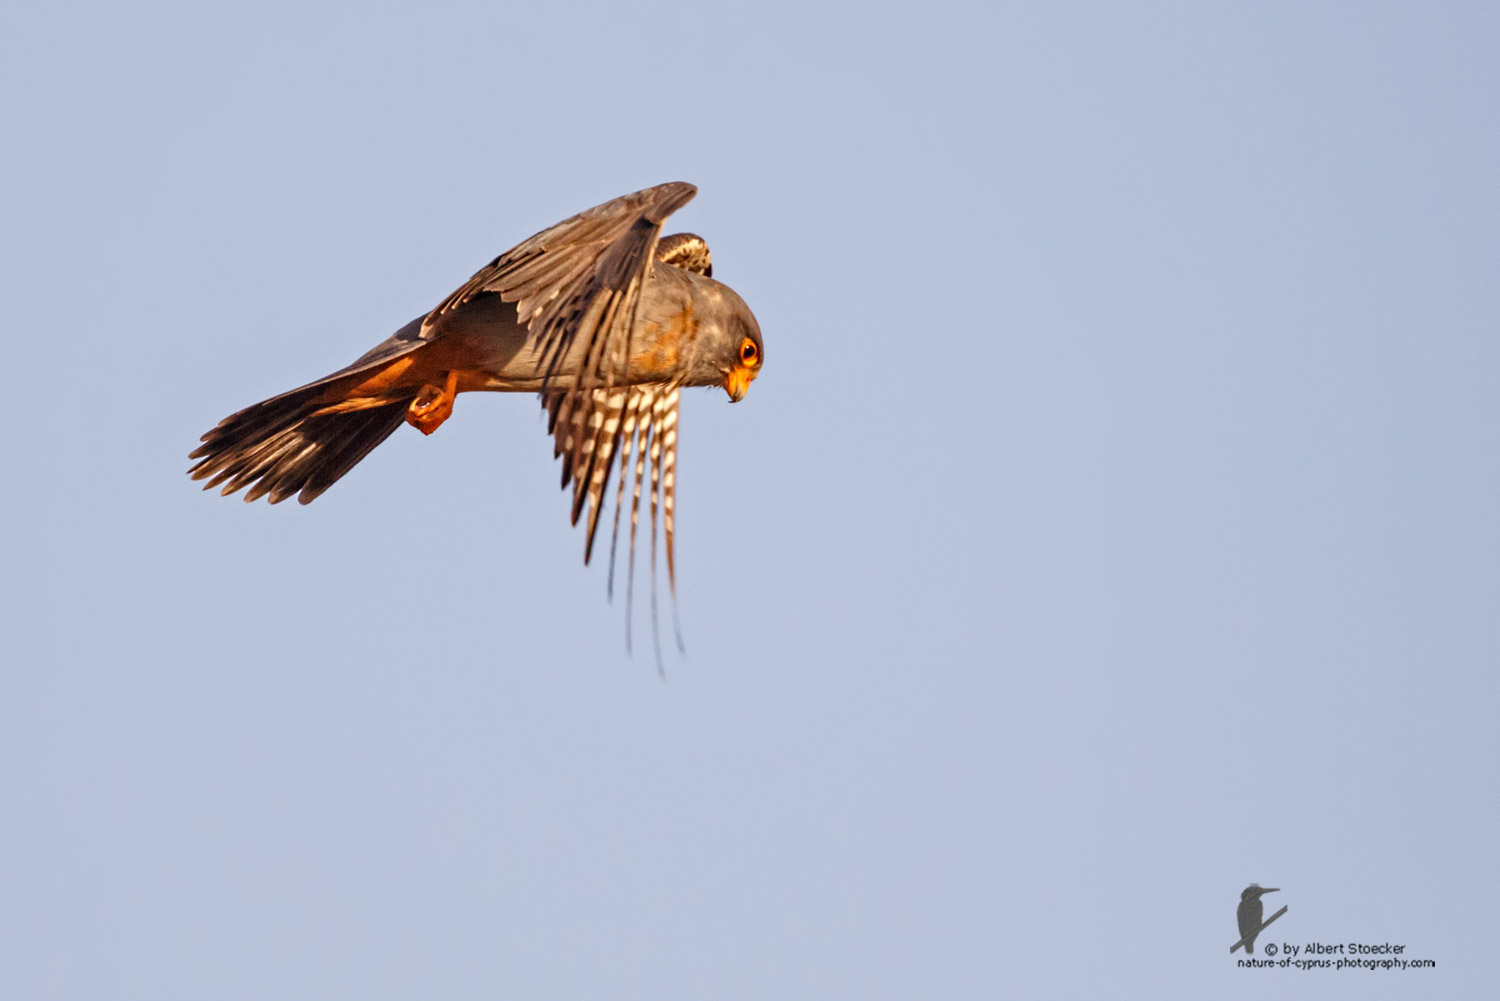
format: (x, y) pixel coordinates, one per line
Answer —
(737, 383)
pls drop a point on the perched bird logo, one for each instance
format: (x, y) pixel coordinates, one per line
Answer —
(1249, 914)
(601, 315)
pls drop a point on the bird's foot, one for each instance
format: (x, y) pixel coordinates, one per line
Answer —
(433, 405)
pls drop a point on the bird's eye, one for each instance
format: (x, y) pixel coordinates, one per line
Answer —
(749, 353)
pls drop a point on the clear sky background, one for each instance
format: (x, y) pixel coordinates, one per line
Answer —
(1114, 524)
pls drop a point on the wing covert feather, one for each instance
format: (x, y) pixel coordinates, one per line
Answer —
(581, 279)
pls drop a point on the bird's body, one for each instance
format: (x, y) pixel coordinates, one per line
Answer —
(501, 356)
(599, 314)
(1250, 913)
(484, 344)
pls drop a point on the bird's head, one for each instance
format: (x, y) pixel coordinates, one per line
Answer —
(730, 349)
(748, 352)
(1253, 891)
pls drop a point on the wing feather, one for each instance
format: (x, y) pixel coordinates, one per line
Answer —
(580, 281)
(643, 434)
(577, 286)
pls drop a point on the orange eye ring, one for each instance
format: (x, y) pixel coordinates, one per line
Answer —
(749, 353)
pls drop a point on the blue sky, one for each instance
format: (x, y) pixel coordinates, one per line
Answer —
(1113, 525)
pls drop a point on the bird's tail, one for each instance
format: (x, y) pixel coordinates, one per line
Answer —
(294, 443)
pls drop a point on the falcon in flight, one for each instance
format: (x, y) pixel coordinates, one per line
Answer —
(601, 315)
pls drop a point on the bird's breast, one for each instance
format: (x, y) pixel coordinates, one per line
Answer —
(662, 344)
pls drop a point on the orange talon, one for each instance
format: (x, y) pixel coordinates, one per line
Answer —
(433, 405)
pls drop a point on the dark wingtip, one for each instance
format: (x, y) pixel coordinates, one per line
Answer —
(672, 196)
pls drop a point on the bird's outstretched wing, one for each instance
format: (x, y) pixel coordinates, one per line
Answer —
(590, 427)
(580, 281)
(576, 287)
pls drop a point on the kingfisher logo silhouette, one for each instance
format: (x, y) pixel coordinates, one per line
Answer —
(1249, 914)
